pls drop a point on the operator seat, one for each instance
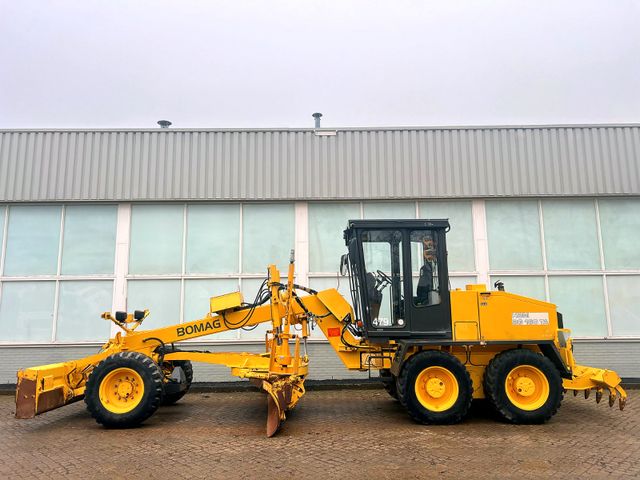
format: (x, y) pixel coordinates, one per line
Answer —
(373, 295)
(425, 284)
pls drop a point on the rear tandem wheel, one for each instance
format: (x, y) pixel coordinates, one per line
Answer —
(435, 388)
(523, 386)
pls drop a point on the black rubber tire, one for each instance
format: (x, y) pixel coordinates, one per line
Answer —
(390, 383)
(407, 394)
(151, 375)
(187, 368)
(495, 376)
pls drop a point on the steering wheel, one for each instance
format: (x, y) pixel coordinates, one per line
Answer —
(384, 276)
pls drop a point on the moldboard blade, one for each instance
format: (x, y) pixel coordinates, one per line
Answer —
(273, 416)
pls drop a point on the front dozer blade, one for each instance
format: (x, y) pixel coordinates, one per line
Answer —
(41, 389)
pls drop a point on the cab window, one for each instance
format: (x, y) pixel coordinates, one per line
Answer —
(425, 274)
(382, 250)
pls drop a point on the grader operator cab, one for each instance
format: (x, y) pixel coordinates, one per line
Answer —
(399, 278)
(436, 349)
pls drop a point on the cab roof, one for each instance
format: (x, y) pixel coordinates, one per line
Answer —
(408, 223)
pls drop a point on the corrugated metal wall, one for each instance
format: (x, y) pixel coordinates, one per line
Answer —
(298, 164)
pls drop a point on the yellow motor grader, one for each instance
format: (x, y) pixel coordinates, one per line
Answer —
(436, 349)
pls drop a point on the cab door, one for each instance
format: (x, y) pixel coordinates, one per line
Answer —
(383, 251)
(427, 301)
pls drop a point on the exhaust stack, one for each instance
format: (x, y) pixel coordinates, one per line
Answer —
(317, 116)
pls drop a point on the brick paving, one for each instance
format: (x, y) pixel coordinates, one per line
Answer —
(347, 434)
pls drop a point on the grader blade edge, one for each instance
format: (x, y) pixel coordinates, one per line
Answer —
(26, 398)
(273, 416)
(41, 389)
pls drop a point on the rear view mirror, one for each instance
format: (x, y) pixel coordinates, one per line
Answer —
(344, 264)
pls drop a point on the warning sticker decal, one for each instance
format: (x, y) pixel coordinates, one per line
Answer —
(530, 318)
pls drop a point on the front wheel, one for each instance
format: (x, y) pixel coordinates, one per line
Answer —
(124, 390)
(523, 386)
(435, 388)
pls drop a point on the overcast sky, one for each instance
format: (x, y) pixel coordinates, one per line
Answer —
(274, 63)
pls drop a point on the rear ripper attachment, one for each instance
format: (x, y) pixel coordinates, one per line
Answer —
(586, 379)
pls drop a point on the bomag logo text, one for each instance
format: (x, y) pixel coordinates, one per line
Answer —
(198, 328)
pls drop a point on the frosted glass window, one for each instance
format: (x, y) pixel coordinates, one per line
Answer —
(196, 301)
(89, 243)
(461, 282)
(3, 214)
(79, 308)
(323, 283)
(213, 238)
(249, 289)
(570, 234)
(532, 287)
(513, 230)
(156, 239)
(267, 236)
(624, 304)
(33, 239)
(26, 311)
(460, 237)
(327, 222)
(620, 224)
(161, 297)
(389, 210)
(580, 299)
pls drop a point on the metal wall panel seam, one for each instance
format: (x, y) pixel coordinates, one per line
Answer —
(11, 166)
(617, 174)
(601, 151)
(66, 146)
(5, 143)
(16, 185)
(606, 149)
(623, 171)
(634, 142)
(523, 152)
(580, 170)
(630, 170)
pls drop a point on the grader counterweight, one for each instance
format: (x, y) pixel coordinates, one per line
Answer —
(436, 349)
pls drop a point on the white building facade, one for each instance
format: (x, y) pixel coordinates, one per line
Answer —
(163, 219)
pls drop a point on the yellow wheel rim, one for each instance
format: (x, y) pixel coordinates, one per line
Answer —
(527, 387)
(437, 389)
(121, 390)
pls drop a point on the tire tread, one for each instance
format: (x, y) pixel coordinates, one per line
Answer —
(493, 386)
(404, 386)
(152, 396)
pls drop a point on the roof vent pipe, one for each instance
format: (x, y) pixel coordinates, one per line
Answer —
(317, 117)
(164, 123)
